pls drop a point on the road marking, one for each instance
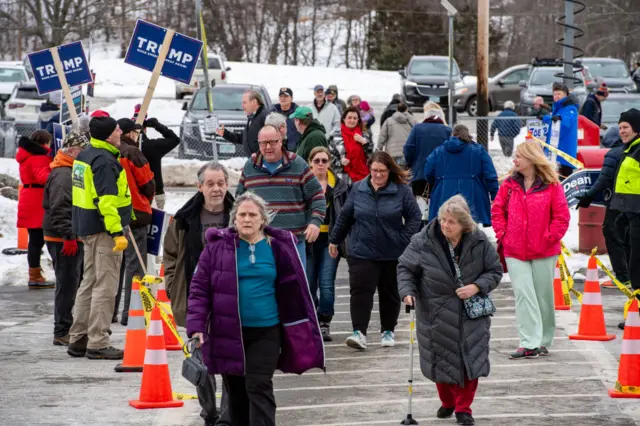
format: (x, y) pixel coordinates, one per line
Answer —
(406, 318)
(402, 342)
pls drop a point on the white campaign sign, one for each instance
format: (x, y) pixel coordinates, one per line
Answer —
(538, 129)
(555, 139)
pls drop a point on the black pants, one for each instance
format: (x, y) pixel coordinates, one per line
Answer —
(207, 400)
(68, 277)
(418, 187)
(34, 249)
(615, 229)
(364, 277)
(634, 252)
(565, 172)
(506, 143)
(251, 400)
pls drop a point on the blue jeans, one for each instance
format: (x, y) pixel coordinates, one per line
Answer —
(302, 250)
(321, 274)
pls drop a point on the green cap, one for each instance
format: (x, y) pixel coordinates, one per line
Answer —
(302, 112)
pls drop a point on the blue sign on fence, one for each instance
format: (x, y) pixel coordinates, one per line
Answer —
(145, 46)
(154, 234)
(579, 183)
(74, 63)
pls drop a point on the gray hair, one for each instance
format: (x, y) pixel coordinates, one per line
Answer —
(509, 105)
(457, 207)
(266, 214)
(213, 165)
(255, 95)
(278, 120)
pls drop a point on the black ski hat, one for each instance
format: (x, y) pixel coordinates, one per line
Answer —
(632, 117)
(102, 127)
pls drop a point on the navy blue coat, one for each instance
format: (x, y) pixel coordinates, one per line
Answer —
(509, 128)
(379, 225)
(423, 139)
(463, 168)
(293, 136)
(592, 109)
(608, 173)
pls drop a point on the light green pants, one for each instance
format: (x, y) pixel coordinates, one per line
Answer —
(532, 283)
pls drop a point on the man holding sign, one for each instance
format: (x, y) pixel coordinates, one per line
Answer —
(563, 127)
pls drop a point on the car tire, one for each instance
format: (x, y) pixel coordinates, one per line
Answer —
(472, 106)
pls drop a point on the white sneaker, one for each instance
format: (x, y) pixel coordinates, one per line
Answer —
(388, 339)
(357, 341)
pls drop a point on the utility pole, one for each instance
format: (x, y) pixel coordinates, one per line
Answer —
(568, 42)
(482, 61)
(203, 55)
(451, 12)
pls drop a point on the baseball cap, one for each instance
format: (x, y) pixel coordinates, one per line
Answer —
(99, 113)
(285, 91)
(318, 87)
(75, 138)
(302, 112)
(128, 125)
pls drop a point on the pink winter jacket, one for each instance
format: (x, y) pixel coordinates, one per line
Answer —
(530, 225)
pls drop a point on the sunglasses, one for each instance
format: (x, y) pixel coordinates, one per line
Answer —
(320, 161)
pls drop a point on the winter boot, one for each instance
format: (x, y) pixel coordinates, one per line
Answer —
(37, 280)
(78, 348)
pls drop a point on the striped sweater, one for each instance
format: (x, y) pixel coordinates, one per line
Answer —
(292, 192)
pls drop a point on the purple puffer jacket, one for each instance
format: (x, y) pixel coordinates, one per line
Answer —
(213, 306)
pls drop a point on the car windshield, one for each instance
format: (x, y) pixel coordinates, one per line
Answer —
(224, 99)
(546, 77)
(608, 70)
(432, 67)
(213, 62)
(11, 75)
(612, 108)
(28, 93)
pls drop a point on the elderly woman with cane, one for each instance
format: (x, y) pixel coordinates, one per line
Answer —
(447, 272)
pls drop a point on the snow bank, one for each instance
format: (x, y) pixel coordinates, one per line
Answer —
(168, 112)
(183, 173)
(9, 166)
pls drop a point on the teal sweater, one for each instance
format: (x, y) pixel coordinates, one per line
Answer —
(257, 286)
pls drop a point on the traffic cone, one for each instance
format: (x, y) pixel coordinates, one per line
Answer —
(591, 326)
(628, 384)
(155, 391)
(170, 340)
(136, 337)
(558, 295)
(162, 270)
(608, 284)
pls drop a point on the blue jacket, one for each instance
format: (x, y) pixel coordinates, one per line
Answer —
(463, 168)
(423, 139)
(508, 127)
(607, 176)
(592, 109)
(293, 136)
(567, 110)
(381, 224)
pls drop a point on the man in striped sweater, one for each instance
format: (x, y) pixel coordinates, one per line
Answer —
(287, 184)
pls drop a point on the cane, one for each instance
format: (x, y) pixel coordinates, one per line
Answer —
(412, 325)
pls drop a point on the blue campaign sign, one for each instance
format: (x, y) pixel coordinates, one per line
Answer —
(579, 183)
(76, 95)
(154, 234)
(74, 63)
(59, 132)
(145, 46)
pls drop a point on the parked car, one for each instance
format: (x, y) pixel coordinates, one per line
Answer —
(505, 86)
(11, 73)
(613, 72)
(616, 104)
(218, 72)
(426, 78)
(23, 107)
(227, 107)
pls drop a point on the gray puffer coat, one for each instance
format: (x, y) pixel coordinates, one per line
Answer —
(449, 342)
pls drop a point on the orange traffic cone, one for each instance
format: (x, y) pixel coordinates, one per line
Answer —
(628, 384)
(170, 340)
(558, 295)
(155, 391)
(162, 270)
(591, 326)
(608, 284)
(136, 338)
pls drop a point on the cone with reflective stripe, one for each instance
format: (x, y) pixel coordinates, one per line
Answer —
(628, 384)
(162, 270)
(591, 326)
(155, 391)
(136, 338)
(558, 295)
(170, 341)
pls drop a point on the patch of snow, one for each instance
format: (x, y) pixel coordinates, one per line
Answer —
(183, 173)
(9, 166)
(168, 112)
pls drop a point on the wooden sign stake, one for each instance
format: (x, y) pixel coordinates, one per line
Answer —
(65, 86)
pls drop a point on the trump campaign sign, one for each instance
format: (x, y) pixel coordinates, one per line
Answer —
(144, 50)
(73, 61)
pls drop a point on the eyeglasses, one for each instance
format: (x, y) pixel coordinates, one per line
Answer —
(252, 256)
(271, 143)
(320, 161)
(379, 172)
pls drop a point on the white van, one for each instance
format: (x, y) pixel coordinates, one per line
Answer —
(218, 71)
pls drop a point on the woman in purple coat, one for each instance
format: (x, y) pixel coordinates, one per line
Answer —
(251, 309)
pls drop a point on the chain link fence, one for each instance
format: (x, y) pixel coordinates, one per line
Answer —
(196, 143)
(10, 132)
(495, 132)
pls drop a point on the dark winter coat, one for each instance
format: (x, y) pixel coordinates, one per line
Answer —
(463, 168)
(423, 139)
(34, 166)
(214, 310)
(450, 344)
(155, 149)
(592, 109)
(48, 116)
(293, 136)
(379, 224)
(389, 111)
(506, 127)
(57, 202)
(313, 136)
(607, 176)
(249, 136)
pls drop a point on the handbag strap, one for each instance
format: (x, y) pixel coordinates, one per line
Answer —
(455, 264)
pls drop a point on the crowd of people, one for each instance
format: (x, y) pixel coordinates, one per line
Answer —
(251, 276)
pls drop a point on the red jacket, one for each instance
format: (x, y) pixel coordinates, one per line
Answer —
(141, 183)
(34, 170)
(530, 226)
(357, 168)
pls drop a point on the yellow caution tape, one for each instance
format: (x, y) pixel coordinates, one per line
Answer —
(565, 250)
(618, 284)
(569, 159)
(565, 288)
(148, 302)
(182, 396)
(627, 304)
(627, 389)
(564, 269)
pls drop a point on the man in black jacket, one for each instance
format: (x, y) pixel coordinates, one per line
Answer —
(253, 106)
(65, 249)
(391, 108)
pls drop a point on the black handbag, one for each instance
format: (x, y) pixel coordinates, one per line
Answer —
(193, 367)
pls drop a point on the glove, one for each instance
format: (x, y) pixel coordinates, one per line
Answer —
(556, 118)
(151, 122)
(584, 201)
(69, 248)
(120, 242)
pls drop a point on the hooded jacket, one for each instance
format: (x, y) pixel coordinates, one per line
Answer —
(422, 141)
(181, 250)
(337, 101)
(293, 136)
(33, 160)
(328, 116)
(57, 202)
(313, 136)
(463, 168)
(394, 133)
(391, 109)
(140, 179)
(249, 136)
(214, 306)
(626, 193)
(566, 110)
